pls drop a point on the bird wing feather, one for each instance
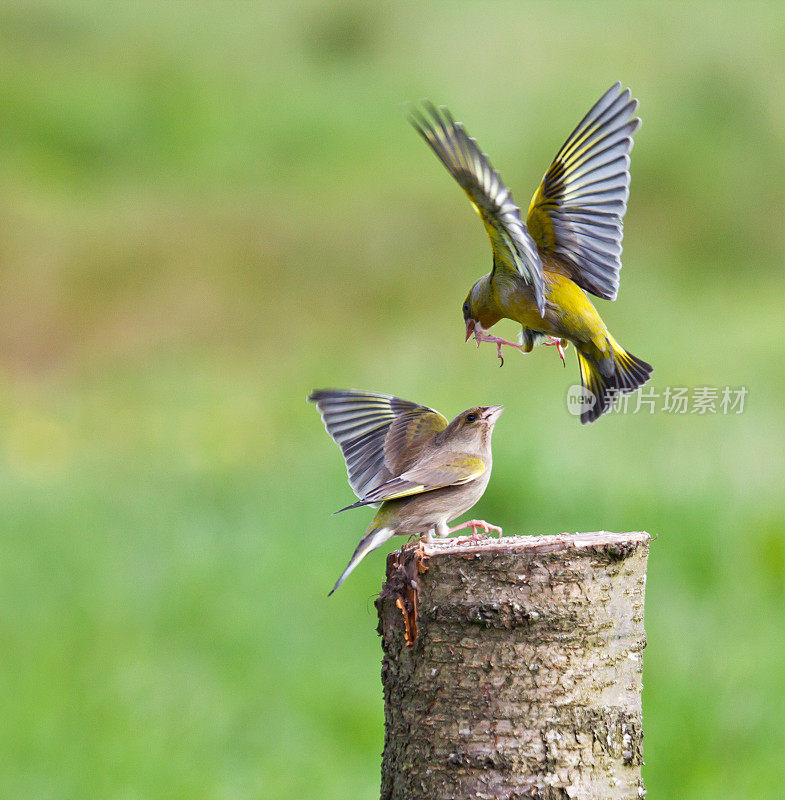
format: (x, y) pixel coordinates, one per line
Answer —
(435, 472)
(513, 247)
(380, 436)
(576, 213)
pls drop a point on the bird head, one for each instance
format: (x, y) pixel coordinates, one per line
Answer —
(479, 307)
(472, 429)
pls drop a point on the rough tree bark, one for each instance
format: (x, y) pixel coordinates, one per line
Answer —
(512, 668)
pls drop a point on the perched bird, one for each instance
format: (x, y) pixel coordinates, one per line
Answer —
(421, 471)
(569, 245)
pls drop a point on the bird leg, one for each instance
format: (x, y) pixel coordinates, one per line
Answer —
(480, 335)
(559, 344)
(478, 523)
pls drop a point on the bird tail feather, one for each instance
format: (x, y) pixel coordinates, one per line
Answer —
(606, 378)
(373, 539)
(353, 505)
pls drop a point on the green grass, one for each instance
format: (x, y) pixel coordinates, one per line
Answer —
(206, 214)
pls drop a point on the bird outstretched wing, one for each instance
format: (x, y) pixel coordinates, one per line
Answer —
(576, 213)
(380, 436)
(513, 247)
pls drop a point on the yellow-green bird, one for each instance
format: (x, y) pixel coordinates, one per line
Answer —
(570, 243)
(420, 470)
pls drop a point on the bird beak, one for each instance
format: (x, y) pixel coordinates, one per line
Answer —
(491, 413)
(470, 323)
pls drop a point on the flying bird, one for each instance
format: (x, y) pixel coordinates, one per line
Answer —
(570, 243)
(421, 471)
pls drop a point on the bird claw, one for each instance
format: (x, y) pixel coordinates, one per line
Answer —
(481, 336)
(559, 344)
(478, 523)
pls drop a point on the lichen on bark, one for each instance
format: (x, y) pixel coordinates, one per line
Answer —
(520, 676)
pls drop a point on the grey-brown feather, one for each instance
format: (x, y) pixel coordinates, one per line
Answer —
(424, 512)
(390, 446)
(369, 428)
(404, 447)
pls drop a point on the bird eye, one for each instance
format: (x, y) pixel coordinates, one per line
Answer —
(466, 309)
(471, 418)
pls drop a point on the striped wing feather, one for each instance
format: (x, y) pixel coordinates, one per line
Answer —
(436, 472)
(513, 247)
(576, 213)
(380, 436)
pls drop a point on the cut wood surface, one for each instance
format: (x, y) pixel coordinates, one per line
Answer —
(512, 668)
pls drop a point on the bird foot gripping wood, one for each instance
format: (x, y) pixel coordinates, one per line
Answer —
(478, 523)
(402, 585)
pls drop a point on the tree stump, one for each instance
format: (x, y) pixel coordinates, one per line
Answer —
(512, 668)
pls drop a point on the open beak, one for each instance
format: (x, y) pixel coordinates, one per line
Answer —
(491, 414)
(470, 323)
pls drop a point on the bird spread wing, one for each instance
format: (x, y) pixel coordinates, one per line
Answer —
(436, 472)
(513, 247)
(576, 213)
(380, 436)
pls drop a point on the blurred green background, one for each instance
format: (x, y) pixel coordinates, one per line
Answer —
(209, 209)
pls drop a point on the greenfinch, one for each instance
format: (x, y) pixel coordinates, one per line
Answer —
(420, 470)
(570, 243)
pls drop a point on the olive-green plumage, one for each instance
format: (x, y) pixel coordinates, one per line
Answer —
(422, 471)
(569, 245)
